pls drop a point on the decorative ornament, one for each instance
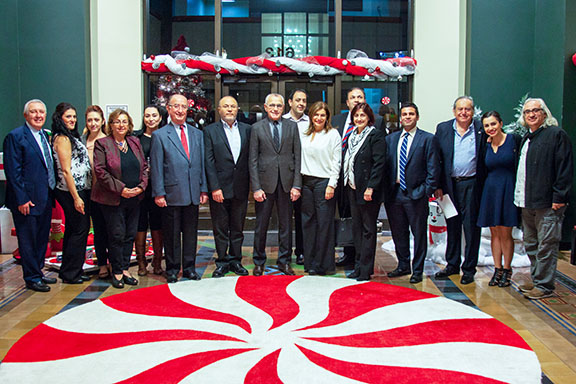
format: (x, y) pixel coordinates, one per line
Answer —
(190, 103)
(344, 62)
(385, 100)
(270, 73)
(574, 59)
(218, 76)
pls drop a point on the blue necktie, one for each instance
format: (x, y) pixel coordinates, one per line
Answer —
(403, 158)
(48, 160)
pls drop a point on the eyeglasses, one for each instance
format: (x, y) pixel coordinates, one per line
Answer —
(275, 106)
(533, 110)
(120, 122)
(178, 106)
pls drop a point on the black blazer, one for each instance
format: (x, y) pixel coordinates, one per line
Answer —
(445, 140)
(369, 166)
(422, 166)
(221, 171)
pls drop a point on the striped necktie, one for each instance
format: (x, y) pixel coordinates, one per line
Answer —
(403, 159)
(48, 160)
(346, 136)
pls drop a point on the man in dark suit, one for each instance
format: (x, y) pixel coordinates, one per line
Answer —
(412, 176)
(275, 176)
(179, 186)
(226, 144)
(459, 142)
(343, 122)
(30, 181)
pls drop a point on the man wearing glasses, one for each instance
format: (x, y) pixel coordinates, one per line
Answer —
(179, 186)
(543, 183)
(274, 164)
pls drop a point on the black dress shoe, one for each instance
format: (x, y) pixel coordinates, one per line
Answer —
(415, 279)
(171, 278)
(258, 270)
(220, 271)
(49, 280)
(345, 261)
(191, 275)
(353, 275)
(363, 278)
(118, 284)
(129, 280)
(300, 259)
(446, 273)
(467, 279)
(399, 272)
(85, 277)
(286, 269)
(38, 286)
(312, 272)
(238, 269)
(75, 281)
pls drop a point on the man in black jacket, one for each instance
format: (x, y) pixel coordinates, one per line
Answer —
(543, 183)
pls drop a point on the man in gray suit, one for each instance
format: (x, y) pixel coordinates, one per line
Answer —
(275, 177)
(179, 186)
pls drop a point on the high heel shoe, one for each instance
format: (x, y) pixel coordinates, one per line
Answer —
(495, 280)
(129, 280)
(117, 283)
(506, 277)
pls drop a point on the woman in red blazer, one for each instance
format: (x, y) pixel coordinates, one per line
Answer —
(121, 178)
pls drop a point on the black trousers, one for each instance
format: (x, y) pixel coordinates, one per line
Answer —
(467, 206)
(228, 226)
(263, 212)
(150, 215)
(405, 214)
(121, 223)
(364, 217)
(299, 237)
(32, 232)
(75, 234)
(100, 234)
(317, 225)
(343, 203)
(180, 234)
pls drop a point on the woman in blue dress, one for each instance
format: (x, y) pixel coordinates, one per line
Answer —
(497, 209)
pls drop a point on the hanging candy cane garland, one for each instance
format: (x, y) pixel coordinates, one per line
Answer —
(186, 64)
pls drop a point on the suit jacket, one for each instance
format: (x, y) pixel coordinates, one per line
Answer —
(179, 179)
(445, 140)
(26, 172)
(369, 166)
(221, 171)
(108, 169)
(269, 166)
(338, 121)
(422, 166)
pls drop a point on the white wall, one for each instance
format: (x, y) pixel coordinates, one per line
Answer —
(440, 49)
(116, 49)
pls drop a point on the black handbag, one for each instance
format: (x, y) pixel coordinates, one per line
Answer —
(344, 233)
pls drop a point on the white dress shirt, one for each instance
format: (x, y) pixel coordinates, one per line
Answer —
(520, 188)
(234, 139)
(303, 122)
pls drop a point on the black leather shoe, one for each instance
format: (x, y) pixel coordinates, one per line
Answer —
(353, 275)
(258, 270)
(38, 286)
(446, 273)
(191, 275)
(363, 278)
(118, 284)
(49, 280)
(221, 271)
(75, 281)
(399, 272)
(129, 280)
(286, 269)
(238, 269)
(467, 279)
(345, 261)
(312, 272)
(415, 279)
(300, 259)
(85, 277)
(171, 278)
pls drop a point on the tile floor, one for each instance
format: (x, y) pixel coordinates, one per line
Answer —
(548, 326)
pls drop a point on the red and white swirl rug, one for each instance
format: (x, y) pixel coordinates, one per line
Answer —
(272, 329)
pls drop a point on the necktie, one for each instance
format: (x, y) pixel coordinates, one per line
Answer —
(276, 136)
(403, 158)
(48, 160)
(184, 141)
(346, 135)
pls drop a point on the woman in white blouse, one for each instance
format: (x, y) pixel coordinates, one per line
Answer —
(320, 168)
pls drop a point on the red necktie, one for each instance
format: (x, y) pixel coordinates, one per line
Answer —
(184, 141)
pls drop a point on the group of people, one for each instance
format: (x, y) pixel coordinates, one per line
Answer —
(305, 166)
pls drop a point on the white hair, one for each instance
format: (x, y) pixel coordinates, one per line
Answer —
(273, 95)
(469, 98)
(27, 105)
(550, 120)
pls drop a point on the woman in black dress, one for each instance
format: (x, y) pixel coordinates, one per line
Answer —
(497, 209)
